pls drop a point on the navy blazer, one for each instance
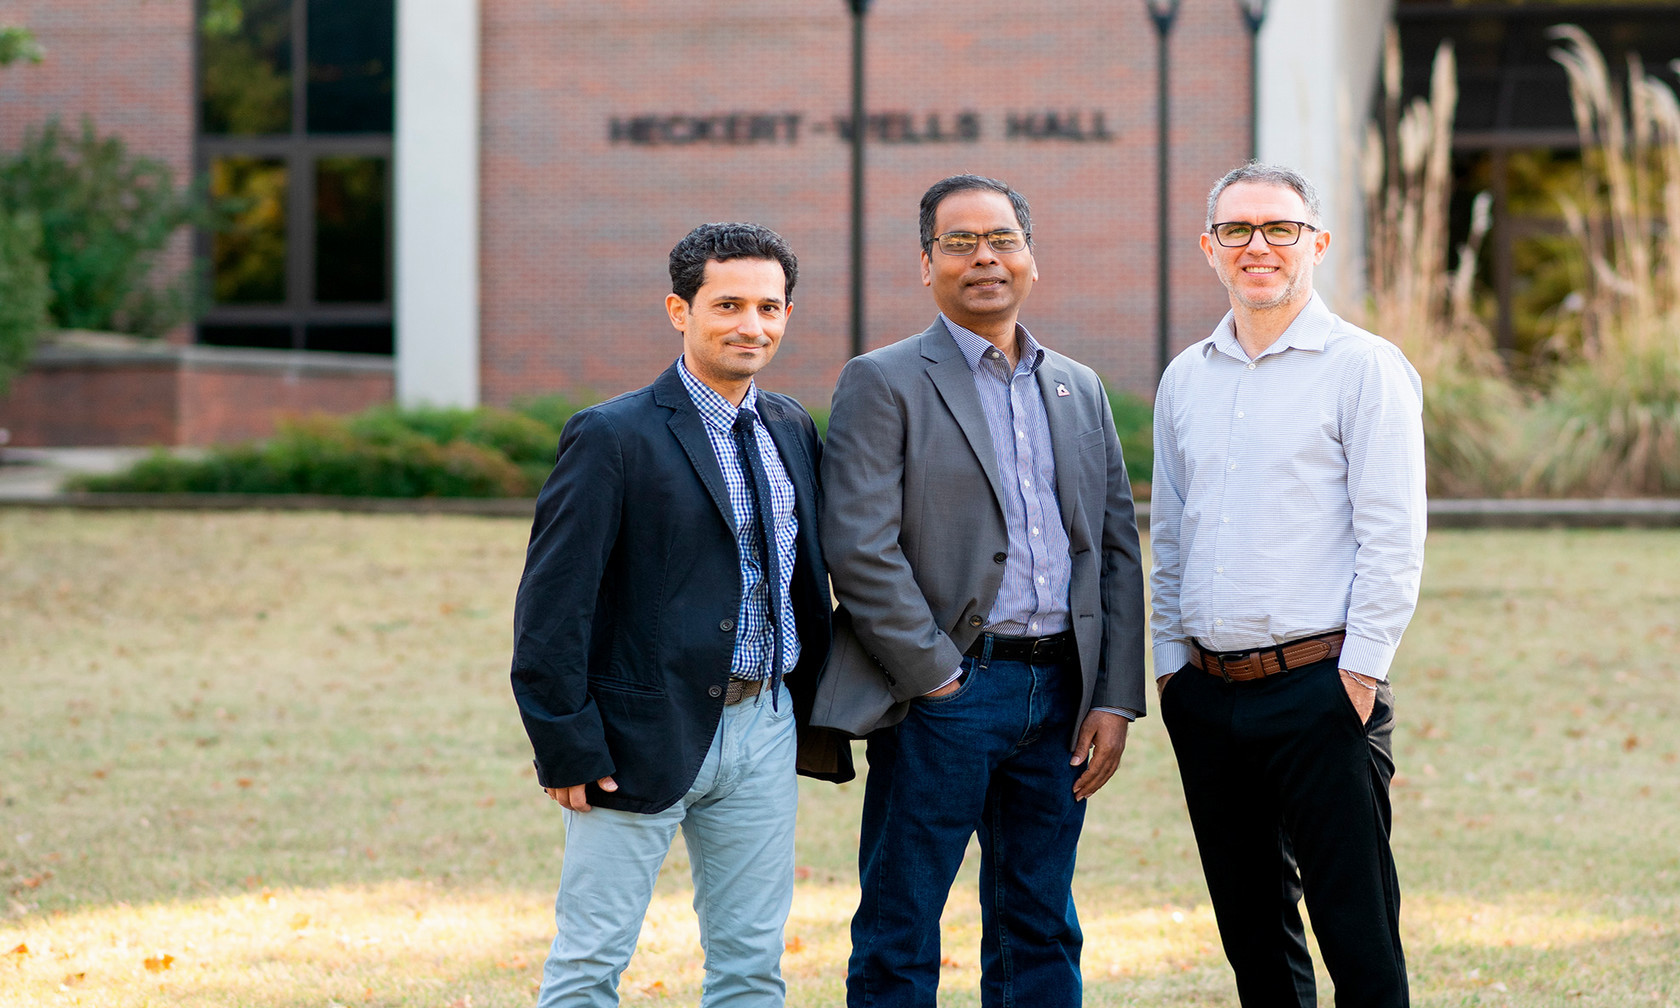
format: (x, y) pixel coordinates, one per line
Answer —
(624, 625)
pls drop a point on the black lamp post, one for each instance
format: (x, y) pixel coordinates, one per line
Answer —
(1163, 13)
(858, 8)
(1254, 15)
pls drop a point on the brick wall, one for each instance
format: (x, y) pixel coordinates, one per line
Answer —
(576, 226)
(112, 391)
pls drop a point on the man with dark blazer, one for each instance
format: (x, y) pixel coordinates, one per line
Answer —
(979, 526)
(668, 633)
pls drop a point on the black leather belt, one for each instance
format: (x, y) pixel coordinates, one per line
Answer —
(1033, 650)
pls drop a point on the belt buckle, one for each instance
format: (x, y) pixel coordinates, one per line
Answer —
(1033, 653)
(1226, 657)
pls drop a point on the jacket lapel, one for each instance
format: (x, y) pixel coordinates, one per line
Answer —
(690, 432)
(784, 434)
(1063, 415)
(951, 376)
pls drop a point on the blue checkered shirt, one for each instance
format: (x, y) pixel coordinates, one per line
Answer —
(754, 639)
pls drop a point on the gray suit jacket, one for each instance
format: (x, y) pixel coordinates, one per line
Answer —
(913, 530)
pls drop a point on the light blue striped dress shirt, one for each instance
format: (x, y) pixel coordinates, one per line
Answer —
(1288, 495)
(1033, 599)
(754, 639)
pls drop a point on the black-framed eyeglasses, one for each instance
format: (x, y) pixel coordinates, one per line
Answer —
(1002, 241)
(1236, 234)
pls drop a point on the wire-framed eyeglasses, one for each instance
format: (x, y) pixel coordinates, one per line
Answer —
(1002, 241)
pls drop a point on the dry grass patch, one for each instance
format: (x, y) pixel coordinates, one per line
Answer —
(275, 756)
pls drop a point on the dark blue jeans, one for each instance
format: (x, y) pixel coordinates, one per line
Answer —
(993, 757)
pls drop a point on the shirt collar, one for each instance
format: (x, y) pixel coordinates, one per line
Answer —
(715, 409)
(974, 346)
(1310, 331)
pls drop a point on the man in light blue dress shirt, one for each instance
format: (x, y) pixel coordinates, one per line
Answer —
(1287, 526)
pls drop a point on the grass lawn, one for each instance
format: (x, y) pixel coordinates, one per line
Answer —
(272, 760)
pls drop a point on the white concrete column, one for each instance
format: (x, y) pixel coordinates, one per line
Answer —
(1319, 61)
(436, 219)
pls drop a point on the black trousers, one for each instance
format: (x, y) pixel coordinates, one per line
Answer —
(1288, 795)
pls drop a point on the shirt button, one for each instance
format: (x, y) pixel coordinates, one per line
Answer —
(1218, 622)
(1219, 570)
(1251, 365)
(1027, 483)
(1233, 467)
(1240, 414)
(1035, 531)
(1020, 433)
(727, 625)
(1041, 579)
(1224, 521)
(715, 692)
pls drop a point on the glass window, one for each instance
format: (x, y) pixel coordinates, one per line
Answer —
(248, 260)
(350, 229)
(295, 118)
(245, 85)
(265, 337)
(350, 54)
(370, 339)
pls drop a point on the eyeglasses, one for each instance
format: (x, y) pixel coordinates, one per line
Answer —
(1002, 241)
(1236, 234)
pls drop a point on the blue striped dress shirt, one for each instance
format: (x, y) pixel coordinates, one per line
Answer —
(1288, 495)
(1033, 600)
(754, 638)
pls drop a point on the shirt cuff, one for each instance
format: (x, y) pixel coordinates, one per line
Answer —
(953, 677)
(1129, 715)
(1366, 656)
(1170, 656)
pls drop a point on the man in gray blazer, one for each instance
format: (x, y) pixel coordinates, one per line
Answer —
(989, 642)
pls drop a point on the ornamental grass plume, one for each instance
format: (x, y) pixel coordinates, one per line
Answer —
(1610, 423)
(1471, 409)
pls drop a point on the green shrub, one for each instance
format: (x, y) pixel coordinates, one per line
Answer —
(18, 44)
(323, 455)
(385, 451)
(23, 292)
(106, 216)
(1134, 421)
(1610, 425)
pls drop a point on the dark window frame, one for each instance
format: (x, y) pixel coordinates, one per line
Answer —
(300, 150)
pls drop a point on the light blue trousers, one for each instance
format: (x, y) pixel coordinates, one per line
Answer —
(737, 820)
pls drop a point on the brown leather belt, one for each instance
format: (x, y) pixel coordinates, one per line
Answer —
(1032, 650)
(741, 689)
(1245, 666)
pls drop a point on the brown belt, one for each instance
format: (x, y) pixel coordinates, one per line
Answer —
(741, 689)
(1244, 666)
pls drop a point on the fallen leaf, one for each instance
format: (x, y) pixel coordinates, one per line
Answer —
(796, 943)
(244, 782)
(802, 873)
(72, 979)
(299, 921)
(21, 950)
(1630, 743)
(157, 964)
